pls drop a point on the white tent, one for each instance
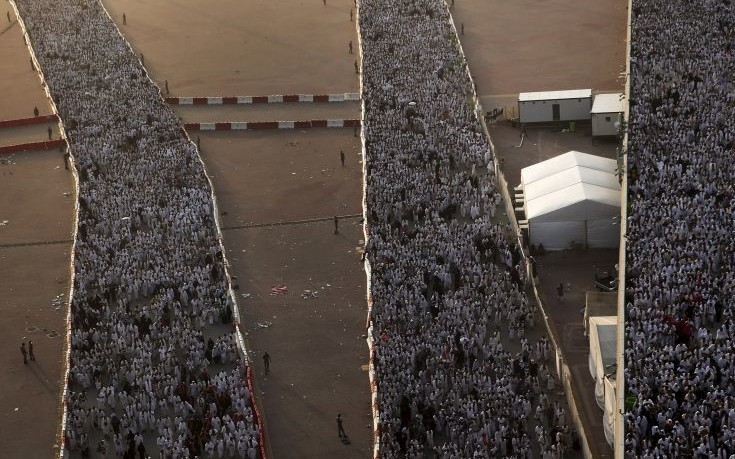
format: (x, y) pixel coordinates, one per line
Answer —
(603, 342)
(608, 419)
(573, 197)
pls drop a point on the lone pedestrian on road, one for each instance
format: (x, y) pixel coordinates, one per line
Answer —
(340, 427)
(24, 352)
(125, 19)
(560, 292)
(267, 363)
(350, 46)
(351, 13)
(357, 68)
(167, 87)
(462, 29)
(50, 132)
(336, 225)
(35, 112)
(342, 157)
(66, 160)
(30, 351)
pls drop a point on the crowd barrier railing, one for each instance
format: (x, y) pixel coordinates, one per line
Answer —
(619, 440)
(264, 125)
(271, 99)
(29, 121)
(30, 146)
(372, 374)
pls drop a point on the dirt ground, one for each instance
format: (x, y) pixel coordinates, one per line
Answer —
(542, 45)
(317, 345)
(267, 177)
(20, 87)
(241, 48)
(33, 185)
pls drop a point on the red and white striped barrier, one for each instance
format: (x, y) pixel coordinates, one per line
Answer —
(273, 99)
(264, 125)
(45, 145)
(28, 121)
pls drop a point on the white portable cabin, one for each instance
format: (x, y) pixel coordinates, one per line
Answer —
(572, 198)
(546, 106)
(607, 113)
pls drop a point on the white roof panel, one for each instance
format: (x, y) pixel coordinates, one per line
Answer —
(608, 103)
(565, 161)
(571, 186)
(580, 201)
(555, 95)
(569, 177)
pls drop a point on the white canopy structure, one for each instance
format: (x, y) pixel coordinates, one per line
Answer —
(603, 344)
(572, 198)
(603, 339)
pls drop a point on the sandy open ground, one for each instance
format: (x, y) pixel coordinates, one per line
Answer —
(20, 87)
(33, 185)
(241, 48)
(541, 45)
(284, 176)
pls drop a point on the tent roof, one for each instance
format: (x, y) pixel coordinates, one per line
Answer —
(571, 186)
(607, 336)
(555, 95)
(608, 103)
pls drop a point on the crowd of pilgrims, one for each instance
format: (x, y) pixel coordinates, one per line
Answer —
(457, 375)
(680, 329)
(154, 365)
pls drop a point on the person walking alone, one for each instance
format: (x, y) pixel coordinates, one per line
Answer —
(350, 46)
(336, 225)
(342, 157)
(560, 292)
(24, 352)
(267, 363)
(340, 427)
